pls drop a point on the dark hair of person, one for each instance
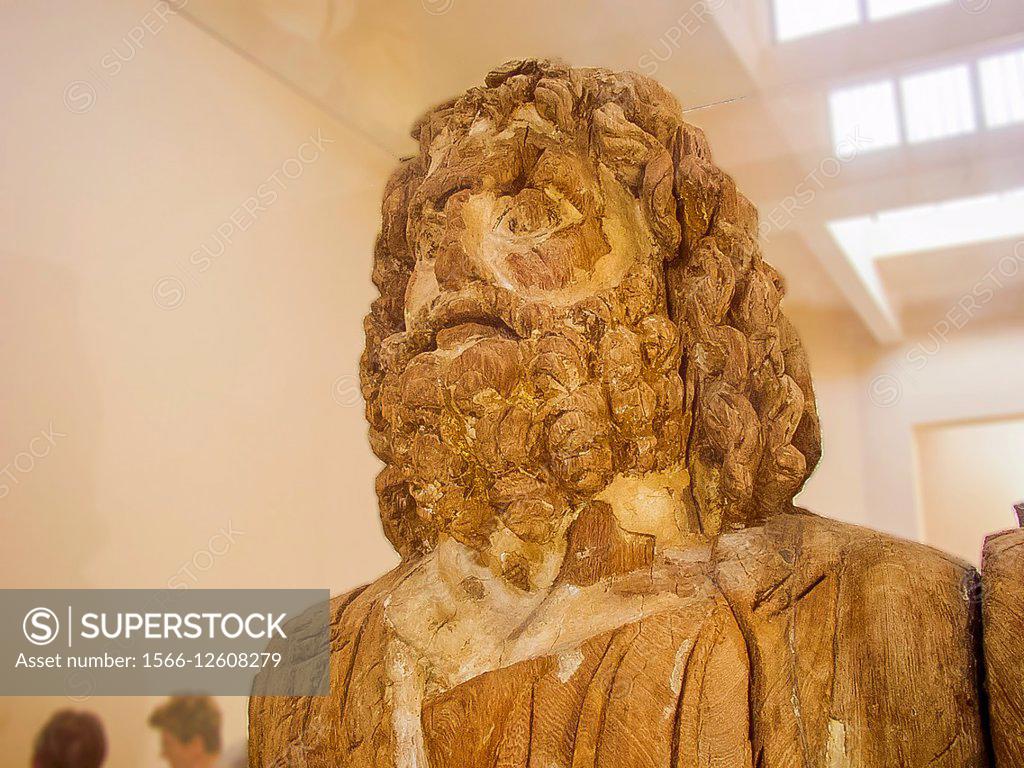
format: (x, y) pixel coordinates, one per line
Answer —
(70, 739)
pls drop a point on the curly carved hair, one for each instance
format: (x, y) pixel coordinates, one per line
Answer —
(754, 433)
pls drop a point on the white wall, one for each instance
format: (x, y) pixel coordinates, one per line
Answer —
(872, 400)
(836, 345)
(974, 375)
(174, 423)
(971, 474)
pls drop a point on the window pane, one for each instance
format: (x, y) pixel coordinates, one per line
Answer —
(1002, 88)
(799, 18)
(937, 104)
(865, 116)
(883, 9)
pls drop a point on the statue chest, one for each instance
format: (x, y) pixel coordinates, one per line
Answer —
(815, 646)
(663, 691)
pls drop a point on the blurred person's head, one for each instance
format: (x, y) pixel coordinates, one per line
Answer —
(189, 730)
(70, 739)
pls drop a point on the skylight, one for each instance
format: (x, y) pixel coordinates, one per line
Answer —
(937, 104)
(865, 114)
(1002, 88)
(957, 222)
(884, 9)
(800, 18)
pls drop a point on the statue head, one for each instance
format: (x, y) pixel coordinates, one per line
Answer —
(572, 293)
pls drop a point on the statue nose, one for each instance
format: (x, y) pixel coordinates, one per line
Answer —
(455, 266)
(452, 269)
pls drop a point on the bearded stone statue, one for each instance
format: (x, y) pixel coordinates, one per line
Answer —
(594, 418)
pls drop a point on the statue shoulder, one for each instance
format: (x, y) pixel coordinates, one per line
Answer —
(902, 564)
(809, 547)
(285, 731)
(885, 631)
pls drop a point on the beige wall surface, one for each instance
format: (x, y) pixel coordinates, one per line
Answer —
(974, 374)
(836, 346)
(873, 400)
(157, 402)
(971, 474)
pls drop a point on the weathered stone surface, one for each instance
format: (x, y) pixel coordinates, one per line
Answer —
(594, 418)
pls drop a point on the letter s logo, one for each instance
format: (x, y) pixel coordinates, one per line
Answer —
(40, 626)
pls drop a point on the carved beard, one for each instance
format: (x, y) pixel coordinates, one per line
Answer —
(490, 430)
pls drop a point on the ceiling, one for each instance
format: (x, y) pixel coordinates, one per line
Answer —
(378, 65)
